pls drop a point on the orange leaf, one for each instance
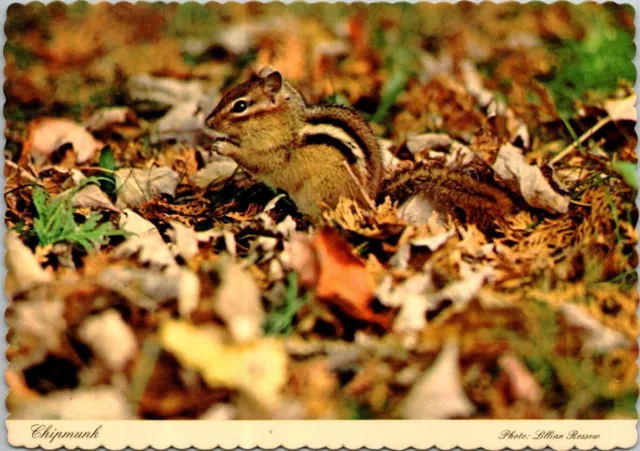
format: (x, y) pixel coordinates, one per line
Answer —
(344, 280)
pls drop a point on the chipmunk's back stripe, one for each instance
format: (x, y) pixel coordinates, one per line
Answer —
(339, 134)
(328, 140)
(345, 127)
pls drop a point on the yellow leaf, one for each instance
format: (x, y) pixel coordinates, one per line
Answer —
(259, 368)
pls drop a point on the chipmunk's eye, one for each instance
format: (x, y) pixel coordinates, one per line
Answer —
(239, 106)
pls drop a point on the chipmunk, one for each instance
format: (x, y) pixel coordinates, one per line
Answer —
(265, 125)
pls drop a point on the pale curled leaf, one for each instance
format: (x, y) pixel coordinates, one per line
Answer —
(41, 319)
(184, 239)
(150, 248)
(511, 166)
(22, 266)
(524, 385)
(433, 242)
(238, 301)
(188, 292)
(132, 222)
(183, 122)
(462, 291)
(110, 338)
(146, 288)
(106, 117)
(416, 210)
(168, 91)
(622, 109)
(216, 171)
(598, 336)
(418, 143)
(91, 196)
(438, 393)
(46, 135)
(473, 83)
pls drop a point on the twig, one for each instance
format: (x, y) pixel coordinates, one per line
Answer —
(360, 187)
(22, 171)
(582, 204)
(96, 168)
(586, 135)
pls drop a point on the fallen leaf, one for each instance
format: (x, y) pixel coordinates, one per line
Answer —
(524, 385)
(46, 135)
(184, 239)
(146, 288)
(438, 393)
(462, 291)
(183, 122)
(598, 336)
(167, 91)
(511, 166)
(433, 242)
(416, 210)
(136, 186)
(238, 301)
(188, 292)
(473, 83)
(106, 117)
(259, 367)
(409, 296)
(216, 171)
(150, 248)
(343, 279)
(93, 403)
(418, 143)
(622, 109)
(135, 224)
(91, 196)
(41, 320)
(110, 338)
(300, 255)
(219, 412)
(23, 269)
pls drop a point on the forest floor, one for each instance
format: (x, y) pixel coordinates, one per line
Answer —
(150, 278)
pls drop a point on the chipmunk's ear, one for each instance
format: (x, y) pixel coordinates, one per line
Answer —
(272, 79)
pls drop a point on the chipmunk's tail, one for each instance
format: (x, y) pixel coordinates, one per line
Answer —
(466, 193)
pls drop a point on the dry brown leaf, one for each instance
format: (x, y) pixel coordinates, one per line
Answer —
(216, 171)
(511, 166)
(136, 186)
(91, 196)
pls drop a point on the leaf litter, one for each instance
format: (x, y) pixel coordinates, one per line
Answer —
(138, 260)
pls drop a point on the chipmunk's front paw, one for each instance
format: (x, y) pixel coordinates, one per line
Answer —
(225, 148)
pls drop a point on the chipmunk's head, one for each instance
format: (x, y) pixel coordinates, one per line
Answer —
(260, 113)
